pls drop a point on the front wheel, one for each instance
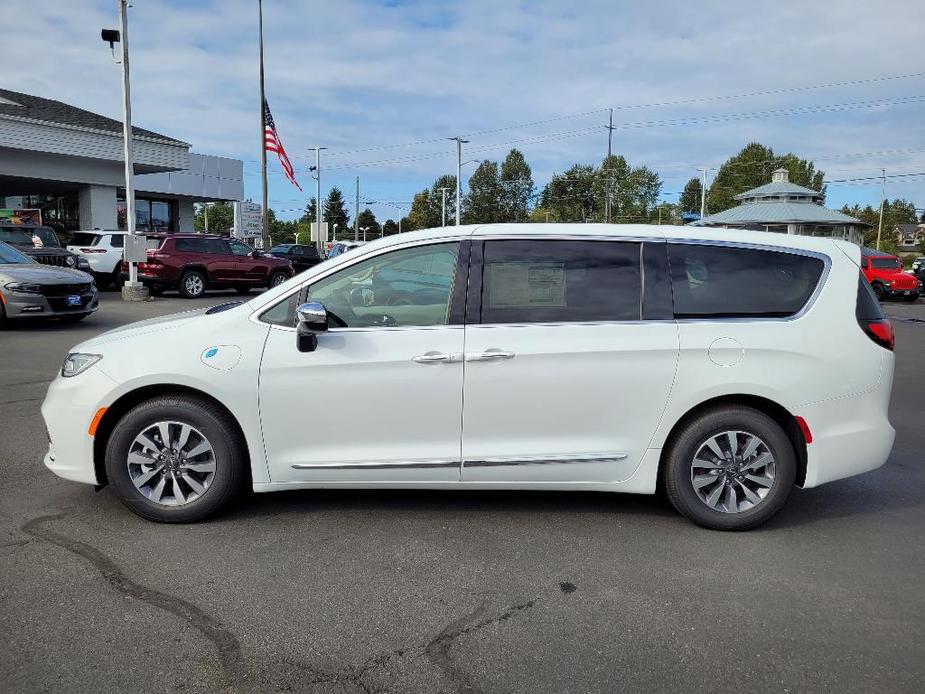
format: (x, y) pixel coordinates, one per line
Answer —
(276, 279)
(730, 468)
(176, 459)
(879, 291)
(192, 284)
(912, 298)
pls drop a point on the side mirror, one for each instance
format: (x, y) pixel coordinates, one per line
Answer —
(312, 319)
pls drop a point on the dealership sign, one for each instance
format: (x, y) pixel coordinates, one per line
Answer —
(251, 220)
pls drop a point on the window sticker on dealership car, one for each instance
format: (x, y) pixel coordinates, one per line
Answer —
(524, 284)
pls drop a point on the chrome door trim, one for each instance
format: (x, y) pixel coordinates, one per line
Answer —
(405, 464)
(545, 459)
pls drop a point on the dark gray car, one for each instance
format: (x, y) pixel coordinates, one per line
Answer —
(31, 290)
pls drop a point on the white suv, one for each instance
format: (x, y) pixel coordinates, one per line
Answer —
(723, 367)
(103, 250)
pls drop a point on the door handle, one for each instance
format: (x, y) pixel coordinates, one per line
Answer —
(433, 358)
(489, 355)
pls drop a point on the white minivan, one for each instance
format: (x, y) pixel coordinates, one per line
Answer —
(721, 367)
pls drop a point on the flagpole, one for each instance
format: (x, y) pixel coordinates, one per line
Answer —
(263, 145)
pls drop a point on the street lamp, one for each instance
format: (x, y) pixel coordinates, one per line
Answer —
(364, 229)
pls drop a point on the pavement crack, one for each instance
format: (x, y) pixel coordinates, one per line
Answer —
(226, 643)
(438, 650)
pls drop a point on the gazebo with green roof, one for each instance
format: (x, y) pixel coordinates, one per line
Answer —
(786, 208)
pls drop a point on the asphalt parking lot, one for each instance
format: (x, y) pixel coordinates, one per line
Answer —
(453, 592)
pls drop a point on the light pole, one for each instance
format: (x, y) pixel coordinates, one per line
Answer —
(459, 143)
(443, 206)
(882, 202)
(363, 229)
(133, 289)
(703, 192)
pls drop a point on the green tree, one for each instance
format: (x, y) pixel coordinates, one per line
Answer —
(221, 217)
(895, 212)
(752, 167)
(482, 204)
(421, 215)
(569, 197)
(389, 227)
(309, 215)
(634, 190)
(280, 231)
(516, 187)
(690, 196)
(335, 211)
(543, 214)
(367, 219)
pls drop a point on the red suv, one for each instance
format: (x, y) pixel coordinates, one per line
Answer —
(193, 263)
(886, 276)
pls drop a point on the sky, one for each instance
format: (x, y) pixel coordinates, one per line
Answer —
(383, 84)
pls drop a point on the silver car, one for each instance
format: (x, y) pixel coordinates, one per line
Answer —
(31, 290)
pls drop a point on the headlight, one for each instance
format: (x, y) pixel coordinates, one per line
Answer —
(70, 261)
(76, 363)
(23, 287)
(887, 284)
(83, 263)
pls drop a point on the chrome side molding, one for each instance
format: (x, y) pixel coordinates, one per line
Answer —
(546, 460)
(405, 464)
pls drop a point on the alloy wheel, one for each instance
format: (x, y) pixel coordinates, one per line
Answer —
(733, 471)
(171, 463)
(278, 280)
(194, 285)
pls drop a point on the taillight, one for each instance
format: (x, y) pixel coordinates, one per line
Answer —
(881, 332)
(92, 250)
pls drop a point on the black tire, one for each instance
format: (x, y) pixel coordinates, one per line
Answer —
(242, 290)
(879, 291)
(74, 317)
(277, 278)
(4, 322)
(215, 424)
(912, 298)
(193, 284)
(686, 443)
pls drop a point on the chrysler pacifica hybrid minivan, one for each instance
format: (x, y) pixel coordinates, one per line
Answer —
(721, 367)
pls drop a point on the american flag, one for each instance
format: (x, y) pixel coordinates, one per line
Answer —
(272, 144)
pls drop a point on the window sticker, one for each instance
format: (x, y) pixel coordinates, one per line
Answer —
(525, 284)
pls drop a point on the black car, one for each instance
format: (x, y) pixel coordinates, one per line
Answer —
(42, 245)
(302, 257)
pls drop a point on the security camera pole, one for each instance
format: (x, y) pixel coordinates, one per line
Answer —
(133, 289)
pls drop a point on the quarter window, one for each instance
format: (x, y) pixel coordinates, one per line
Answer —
(407, 287)
(538, 281)
(723, 282)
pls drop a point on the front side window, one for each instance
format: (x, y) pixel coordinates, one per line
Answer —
(239, 248)
(541, 281)
(407, 287)
(724, 282)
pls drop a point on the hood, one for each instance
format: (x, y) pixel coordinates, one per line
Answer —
(43, 250)
(43, 274)
(151, 326)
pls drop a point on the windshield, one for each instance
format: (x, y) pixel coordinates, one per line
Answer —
(280, 249)
(885, 263)
(10, 256)
(46, 238)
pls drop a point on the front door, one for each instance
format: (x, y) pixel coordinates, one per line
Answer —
(564, 382)
(380, 399)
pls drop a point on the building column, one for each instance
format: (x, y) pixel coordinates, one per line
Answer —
(793, 229)
(185, 215)
(96, 208)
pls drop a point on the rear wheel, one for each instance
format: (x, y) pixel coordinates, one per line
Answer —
(730, 468)
(192, 284)
(176, 459)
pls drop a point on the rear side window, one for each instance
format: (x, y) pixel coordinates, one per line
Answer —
(540, 281)
(117, 241)
(867, 307)
(189, 246)
(85, 239)
(153, 243)
(885, 263)
(724, 282)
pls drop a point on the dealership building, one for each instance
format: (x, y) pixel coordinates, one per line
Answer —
(69, 163)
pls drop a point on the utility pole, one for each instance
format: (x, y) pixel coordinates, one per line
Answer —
(659, 215)
(882, 202)
(356, 216)
(205, 216)
(703, 192)
(443, 206)
(459, 143)
(607, 203)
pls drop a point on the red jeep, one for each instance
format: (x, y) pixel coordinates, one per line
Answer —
(886, 276)
(192, 263)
